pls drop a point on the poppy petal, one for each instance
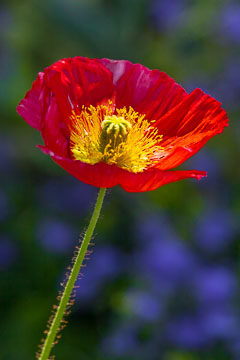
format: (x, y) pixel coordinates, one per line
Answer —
(150, 92)
(32, 107)
(104, 175)
(79, 81)
(154, 178)
(73, 82)
(54, 131)
(99, 175)
(186, 122)
(188, 126)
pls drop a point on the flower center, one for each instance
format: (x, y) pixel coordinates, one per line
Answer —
(124, 138)
(115, 130)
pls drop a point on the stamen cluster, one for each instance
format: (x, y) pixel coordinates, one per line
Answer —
(124, 138)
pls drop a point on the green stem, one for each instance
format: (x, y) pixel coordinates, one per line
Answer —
(78, 260)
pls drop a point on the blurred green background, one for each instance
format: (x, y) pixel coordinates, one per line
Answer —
(162, 282)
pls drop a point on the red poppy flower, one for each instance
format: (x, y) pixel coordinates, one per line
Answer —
(112, 122)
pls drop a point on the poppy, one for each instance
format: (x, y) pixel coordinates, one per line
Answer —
(110, 122)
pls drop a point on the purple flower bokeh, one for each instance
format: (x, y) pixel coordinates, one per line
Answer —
(143, 305)
(123, 341)
(167, 15)
(214, 285)
(163, 258)
(105, 264)
(166, 259)
(215, 230)
(186, 331)
(220, 323)
(229, 22)
(56, 236)
(227, 87)
(8, 253)
(67, 195)
(170, 267)
(154, 226)
(207, 161)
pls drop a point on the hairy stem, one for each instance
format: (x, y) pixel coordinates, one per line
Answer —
(78, 260)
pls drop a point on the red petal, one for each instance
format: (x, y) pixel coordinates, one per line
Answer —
(79, 81)
(150, 92)
(54, 131)
(99, 175)
(73, 82)
(186, 121)
(154, 178)
(32, 107)
(62, 87)
(188, 126)
(107, 176)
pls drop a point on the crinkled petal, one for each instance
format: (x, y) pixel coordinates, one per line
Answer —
(188, 126)
(150, 92)
(107, 176)
(186, 122)
(63, 87)
(35, 103)
(54, 131)
(153, 178)
(73, 82)
(79, 81)
(99, 175)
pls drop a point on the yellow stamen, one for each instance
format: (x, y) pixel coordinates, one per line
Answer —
(124, 138)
